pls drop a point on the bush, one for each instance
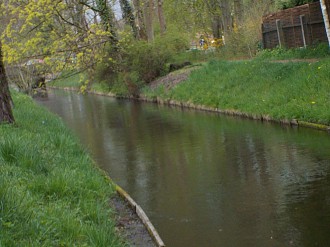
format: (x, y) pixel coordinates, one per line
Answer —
(138, 62)
(285, 4)
(173, 42)
(148, 60)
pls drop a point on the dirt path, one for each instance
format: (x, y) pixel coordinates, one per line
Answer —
(173, 78)
(310, 60)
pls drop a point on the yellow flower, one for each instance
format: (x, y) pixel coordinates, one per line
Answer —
(313, 102)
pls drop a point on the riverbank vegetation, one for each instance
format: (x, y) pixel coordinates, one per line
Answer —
(123, 46)
(275, 90)
(278, 84)
(50, 192)
(127, 46)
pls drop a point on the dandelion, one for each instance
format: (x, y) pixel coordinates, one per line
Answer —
(313, 102)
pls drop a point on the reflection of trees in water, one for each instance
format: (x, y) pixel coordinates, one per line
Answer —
(286, 174)
(308, 211)
(251, 177)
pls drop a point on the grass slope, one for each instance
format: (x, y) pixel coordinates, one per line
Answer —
(290, 90)
(50, 192)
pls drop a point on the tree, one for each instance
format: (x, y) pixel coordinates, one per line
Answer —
(139, 17)
(226, 16)
(107, 19)
(161, 17)
(128, 16)
(6, 114)
(238, 11)
(326, 19)
(149, 9)
(63, 34)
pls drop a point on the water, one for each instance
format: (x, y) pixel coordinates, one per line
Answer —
(208, 180)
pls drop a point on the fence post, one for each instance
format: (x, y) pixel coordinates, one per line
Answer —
(263, 37)
(280, 33)
(304, 30)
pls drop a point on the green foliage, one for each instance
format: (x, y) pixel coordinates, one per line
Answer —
(318, 51)
(102, 87)
(50, 192)
(147, 60)
(294, 90)
(172, 42)
(141, 62)
(285, 4)
(106, 72)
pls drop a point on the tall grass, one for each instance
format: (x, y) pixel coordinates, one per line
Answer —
(293, 90)
(50, 192)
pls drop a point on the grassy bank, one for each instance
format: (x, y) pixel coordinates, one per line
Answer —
(50, 192)
(278, 84)
(278, 90)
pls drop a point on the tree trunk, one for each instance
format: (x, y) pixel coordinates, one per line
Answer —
(108, 20)
(161, 17)
(226, 16)
(148, 10)
(326, 19)
(213, 7)
(6, 114)
(216, 26)
(128, 16)
(238, 11)
(139, 17)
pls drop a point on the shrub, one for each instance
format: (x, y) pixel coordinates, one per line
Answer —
(148, 60)
(138, 62)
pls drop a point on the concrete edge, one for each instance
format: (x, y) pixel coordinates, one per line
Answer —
(263, 118)
(142, 215)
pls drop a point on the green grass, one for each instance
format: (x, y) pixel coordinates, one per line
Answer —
(100, 87)
(51, 194)
(225, 53)
(294, 90)
(196, 56)
(68, 79)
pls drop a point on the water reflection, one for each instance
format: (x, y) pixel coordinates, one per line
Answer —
(208, 180)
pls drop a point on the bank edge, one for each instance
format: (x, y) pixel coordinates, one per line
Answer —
(142, 215)
(160, 101)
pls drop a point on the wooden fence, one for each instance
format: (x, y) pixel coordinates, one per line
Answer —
(295, 27)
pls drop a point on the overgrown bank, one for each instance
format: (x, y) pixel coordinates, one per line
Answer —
(295, 89)
(50, 193)
(272, 90)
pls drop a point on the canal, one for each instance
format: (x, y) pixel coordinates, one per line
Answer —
(205, 179)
